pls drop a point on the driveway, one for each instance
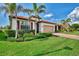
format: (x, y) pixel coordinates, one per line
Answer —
(67, 35)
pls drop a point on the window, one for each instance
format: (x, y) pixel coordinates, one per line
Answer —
(24, 25)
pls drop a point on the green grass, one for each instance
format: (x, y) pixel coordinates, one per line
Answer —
(53, 46)
(74, 32)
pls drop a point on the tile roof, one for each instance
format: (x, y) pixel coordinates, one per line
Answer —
(44, 21)
(26, 18)
(20, 17)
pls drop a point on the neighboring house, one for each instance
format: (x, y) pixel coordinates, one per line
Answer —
(32, 24)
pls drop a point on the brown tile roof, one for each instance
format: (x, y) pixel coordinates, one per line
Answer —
(26, 18)
(44, 21)
(20, 17)
(23, 17)
(36, 17)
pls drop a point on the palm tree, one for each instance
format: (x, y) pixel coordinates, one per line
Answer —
(11, 9)
(66, 24)
(38, 10)
(8, 8)
(29, 12)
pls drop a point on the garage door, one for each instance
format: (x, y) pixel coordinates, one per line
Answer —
(48, 28)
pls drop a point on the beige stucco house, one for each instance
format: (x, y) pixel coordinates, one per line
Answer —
(32, 24)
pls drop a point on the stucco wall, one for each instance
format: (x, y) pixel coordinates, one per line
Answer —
(34, 26)
(14, 24)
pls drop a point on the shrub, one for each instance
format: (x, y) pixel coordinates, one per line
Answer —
(75, 26)
(22, 32)
(11, 39)
(31, 31)
(3, 37)
(77, 29)
(46, 34)
(43, 35)
(58, 30)
(61, 30)
(39, 36)
(20, 39)
(10, 33)
(28, 36)
(71, 29)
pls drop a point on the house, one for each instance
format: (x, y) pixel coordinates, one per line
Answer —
(32, 23)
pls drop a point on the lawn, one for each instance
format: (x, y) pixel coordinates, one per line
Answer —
(52, 46)
(74, 32)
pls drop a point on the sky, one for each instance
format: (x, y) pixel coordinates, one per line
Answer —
(54, 12)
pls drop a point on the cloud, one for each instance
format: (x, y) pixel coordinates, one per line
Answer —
(74, 13)
(48, 15)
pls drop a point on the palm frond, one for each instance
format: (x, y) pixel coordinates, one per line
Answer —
(68, 20)
(20, 8)
(42, 6)
(28, 11)
(7, 3)
(34, 6)
(41, 11)
(4, 10)
(12, 8)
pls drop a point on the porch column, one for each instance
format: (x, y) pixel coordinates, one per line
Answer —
(20, 25)
(57, 28)
(14, 24)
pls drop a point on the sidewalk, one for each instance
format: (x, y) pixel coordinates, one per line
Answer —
(67, 35)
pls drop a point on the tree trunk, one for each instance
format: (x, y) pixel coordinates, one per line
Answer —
(36, 14)
(10, 20)
(36, 28)
(16, 34)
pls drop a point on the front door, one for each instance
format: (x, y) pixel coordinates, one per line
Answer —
(31, 25)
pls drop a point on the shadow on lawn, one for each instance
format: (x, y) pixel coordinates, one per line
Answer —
(40, 39)
(66, 48)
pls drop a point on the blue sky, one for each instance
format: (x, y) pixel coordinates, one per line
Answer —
(54, 12)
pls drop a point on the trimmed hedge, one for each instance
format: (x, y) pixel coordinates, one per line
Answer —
(10, 33)
(11, 39)
(46, 34)
(22, 32)
(28, 36)
(43, 35)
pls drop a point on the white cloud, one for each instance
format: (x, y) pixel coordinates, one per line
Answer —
(48, 15)
(74, 13)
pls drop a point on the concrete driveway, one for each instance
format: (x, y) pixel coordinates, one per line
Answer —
(67, 35)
